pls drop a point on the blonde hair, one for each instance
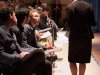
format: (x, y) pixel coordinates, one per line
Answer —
(32, 11)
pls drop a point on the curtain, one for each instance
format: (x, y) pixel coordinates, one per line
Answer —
(96, 7)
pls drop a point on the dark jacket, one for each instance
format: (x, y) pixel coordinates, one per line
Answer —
(56, 14)
(9, 51)
(18, 30)
(34, 4)
(43, 22)
(80, 18)
(29, 38)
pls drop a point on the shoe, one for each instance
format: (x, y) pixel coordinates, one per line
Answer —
(59, 29)
(55, 38)
(53, 50)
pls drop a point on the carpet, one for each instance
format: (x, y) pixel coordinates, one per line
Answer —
(96, 48)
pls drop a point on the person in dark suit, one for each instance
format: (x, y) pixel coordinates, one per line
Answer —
(15, 60)
(44, 24)
(36, 4)
(79, 18)
(29, 35)
(56, 12)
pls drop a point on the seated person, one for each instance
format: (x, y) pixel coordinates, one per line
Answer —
(20, 5)
(46, 22)
(50, 21)
(22, 18)
(13, 59)
(28, 35)
(43, 21)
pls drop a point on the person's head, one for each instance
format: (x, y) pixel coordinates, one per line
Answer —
(22, 16)
(34, 17)
(57, 1)
(21, 3)
(7, 15)
(13, 3)
(2, 4)
(43, 4)
(45, 10)
(37, 1)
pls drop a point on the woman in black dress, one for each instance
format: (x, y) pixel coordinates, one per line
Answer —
(36, 4)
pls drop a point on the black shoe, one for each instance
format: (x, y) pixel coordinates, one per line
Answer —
(55, 38)
(59, 29)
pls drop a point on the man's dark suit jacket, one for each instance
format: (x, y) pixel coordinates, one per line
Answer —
(80, 18)
(9, 51)
(43, 22)
(29, 37)
(18, 30)
(56, 14)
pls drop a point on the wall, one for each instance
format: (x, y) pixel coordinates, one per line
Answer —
(49, 2)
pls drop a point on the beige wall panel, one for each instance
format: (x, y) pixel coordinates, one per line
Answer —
(49, 2)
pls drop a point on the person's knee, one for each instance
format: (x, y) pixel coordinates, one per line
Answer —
(48, 64)
(39, 53)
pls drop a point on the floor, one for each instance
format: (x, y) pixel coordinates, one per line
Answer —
(63, 66)
(96, 47)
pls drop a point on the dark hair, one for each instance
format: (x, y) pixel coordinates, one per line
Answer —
(4, 13)
(21, 13)
(45, 8)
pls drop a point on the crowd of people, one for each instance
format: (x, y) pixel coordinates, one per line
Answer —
(20, 52)
(21, 27)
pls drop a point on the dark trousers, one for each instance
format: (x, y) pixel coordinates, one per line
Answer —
(34, 63)
(56, 21)
(53, 30)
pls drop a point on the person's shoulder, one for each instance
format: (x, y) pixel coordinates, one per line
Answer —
(26, 26)
(87, 4)
(14, 28)
(90, 5)
(41, 15)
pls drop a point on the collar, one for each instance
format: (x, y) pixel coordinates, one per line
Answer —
(6, 30)
(31, 26)
(20, 27)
